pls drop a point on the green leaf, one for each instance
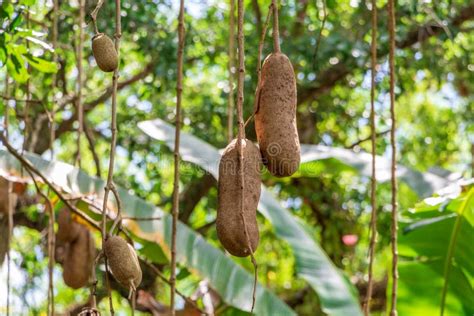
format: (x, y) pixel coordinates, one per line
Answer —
(231, 281)
(312, 264)
(417, 295)
(16, 67)
(29, 2)
(15, 23)
(6, 10)
(152, 251)
(437, 239)
(41, 64)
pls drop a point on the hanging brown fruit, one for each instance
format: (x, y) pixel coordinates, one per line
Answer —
(123, 262)
(68, 229)
(80, 256)
(104, 52)
(229, 224)
(275, 118)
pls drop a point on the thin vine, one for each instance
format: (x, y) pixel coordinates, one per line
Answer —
(373, 183)
(259, 64)
(9, 205)
(51, 261)
(26, 116)
(54, 41)
(79, 105)
(9, 236)
(394, 231)
(241, 133)
(230, 100)
(175, 212)
(51, 234)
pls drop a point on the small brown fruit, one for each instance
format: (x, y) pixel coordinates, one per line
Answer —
(229, 224)
(80, 256)
(68, 229)
(275, 120)
(123, 262)
(104, 52)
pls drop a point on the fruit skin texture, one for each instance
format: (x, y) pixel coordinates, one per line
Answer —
(80, 256)
(275, 120)
(123, 262)
(68, 229)
(104, 52)
(229, 224)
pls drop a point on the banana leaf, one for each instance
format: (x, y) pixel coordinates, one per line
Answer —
(435, 240)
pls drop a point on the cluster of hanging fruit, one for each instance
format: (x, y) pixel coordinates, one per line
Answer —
(279, 151)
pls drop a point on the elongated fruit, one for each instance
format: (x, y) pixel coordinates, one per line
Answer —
(275, 120)
(80, 256)
(104, 52)
(123, 262)
(68, 229)
(229, 224)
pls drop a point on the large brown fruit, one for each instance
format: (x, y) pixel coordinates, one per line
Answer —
(229, 224)
(68, 229)
(123, 262)
(104, 52)
(275, 120)
(80, 256)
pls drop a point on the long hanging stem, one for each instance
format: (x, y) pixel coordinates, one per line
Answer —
(175, 212)
(10, 233)
(6, 116)
(79, 105)
(276, 28)
(373, 183)
(9, 204)
(26, 109)
(391, 27)
(51, 254)
(241, 133)
(110, 184)
(54, 41)
(259, 65)
(230, 100)
(51, 235)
